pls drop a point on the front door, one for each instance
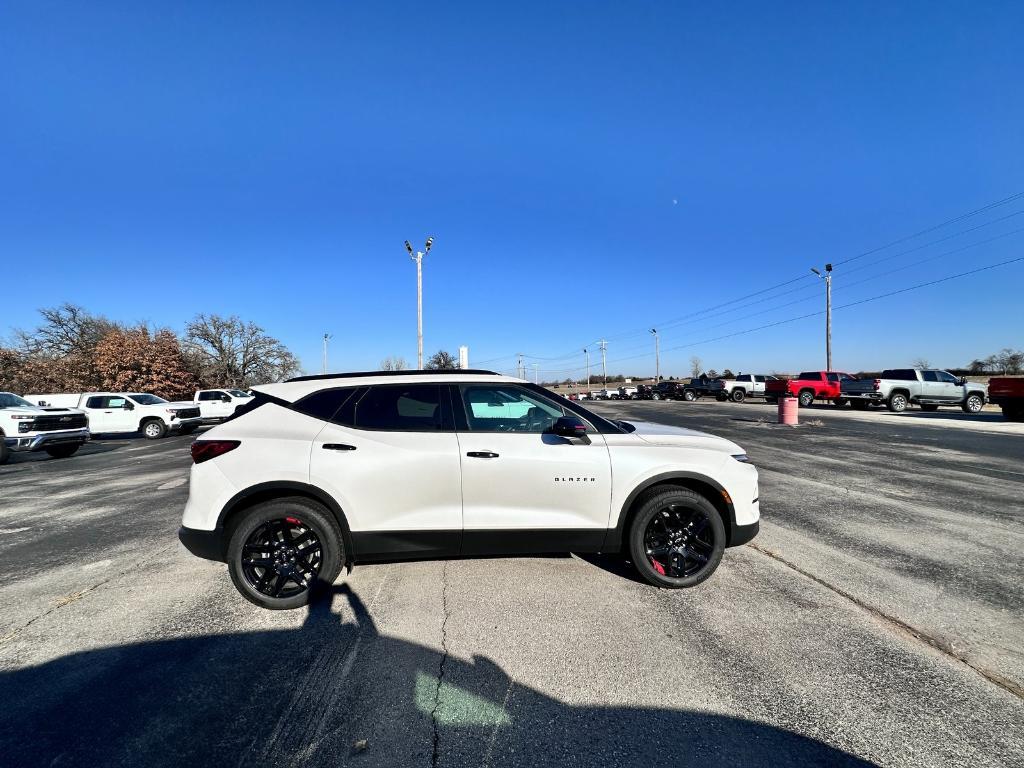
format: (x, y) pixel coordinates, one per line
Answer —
(523, 488)
(390, 457)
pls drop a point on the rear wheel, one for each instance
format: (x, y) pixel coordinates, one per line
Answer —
(897, 402)
(738, 395)
(839, 402)
(973, 404)
(5, 452)
(655, 396)
(721, 397)
(62, 451)
(689, 395)
(282, 551)
(806, 397)
(929, 408)
(677, 538)
(154, 429)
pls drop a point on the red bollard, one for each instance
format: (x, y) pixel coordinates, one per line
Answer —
(789, 407)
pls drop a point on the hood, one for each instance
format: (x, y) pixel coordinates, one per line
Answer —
(38, 410)
(664, 434)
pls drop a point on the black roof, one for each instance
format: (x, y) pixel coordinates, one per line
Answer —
(360, 374)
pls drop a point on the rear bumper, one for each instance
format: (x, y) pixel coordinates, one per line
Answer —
(44, 440)
(208, 545)
(861, 395)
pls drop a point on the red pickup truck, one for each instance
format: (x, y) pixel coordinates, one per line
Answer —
(1008, 394)
(808, 387)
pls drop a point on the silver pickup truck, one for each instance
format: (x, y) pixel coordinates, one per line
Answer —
(929, 388)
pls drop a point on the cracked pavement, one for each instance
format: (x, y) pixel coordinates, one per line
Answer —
(875, 621)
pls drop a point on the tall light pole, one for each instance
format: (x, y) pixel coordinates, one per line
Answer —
(418, 258)
(827, 277)
(536, 373)
(587, 353)
(604, 362)
(657, 357)
(327, 337)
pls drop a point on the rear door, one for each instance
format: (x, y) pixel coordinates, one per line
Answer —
(523, 488)
(388, 453)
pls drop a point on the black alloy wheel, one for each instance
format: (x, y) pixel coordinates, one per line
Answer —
(677, 538)
(282, 558)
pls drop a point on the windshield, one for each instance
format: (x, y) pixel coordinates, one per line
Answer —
(147, 399)
(238, 393)
(7, 400)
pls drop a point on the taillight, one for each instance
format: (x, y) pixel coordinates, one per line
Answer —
(878, 384)
(204, 450)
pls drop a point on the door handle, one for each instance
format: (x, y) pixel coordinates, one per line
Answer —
(482, 454)
(338, 447)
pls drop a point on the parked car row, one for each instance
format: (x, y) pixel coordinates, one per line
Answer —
(896, 389)
(61, 423)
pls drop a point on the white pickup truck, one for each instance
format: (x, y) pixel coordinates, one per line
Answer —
(25, 427)
(743, 386)
(216, 405)
(128, 412)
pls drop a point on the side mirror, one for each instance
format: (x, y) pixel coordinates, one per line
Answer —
(962, 381)
(128, 406)
(569, 426)
(225, 398)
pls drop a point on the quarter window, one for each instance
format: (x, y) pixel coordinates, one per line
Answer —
(326, 405)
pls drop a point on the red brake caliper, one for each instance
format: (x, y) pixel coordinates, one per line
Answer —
(657, 566)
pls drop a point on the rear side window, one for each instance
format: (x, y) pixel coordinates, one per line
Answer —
(810, 376)
(900, 374)
(832, 376)
(327, 405)
(407, 408)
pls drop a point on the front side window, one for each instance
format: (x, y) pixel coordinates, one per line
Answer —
(204, 396)
(929, 376)
(507, 408)
(409, 408)
(238, 393)
(832, 376)
(946, 378)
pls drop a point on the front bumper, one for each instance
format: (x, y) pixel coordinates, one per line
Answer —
(29, 443)
(186, 423)
(208, 545)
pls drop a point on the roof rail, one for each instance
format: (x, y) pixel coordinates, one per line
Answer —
(362, 374)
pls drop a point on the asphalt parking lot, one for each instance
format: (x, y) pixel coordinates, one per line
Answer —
(876, 620)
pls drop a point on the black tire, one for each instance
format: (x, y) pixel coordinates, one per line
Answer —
(771, 400)
(898, 402)
(188, 430)
(738, 395)
(1010, 413)
(153, 429)
(5, 452)
(689, 395)
(929, 408)
(973, 404)
(859, 405)
(62, 451)
(656, 396)
(806, 397)
(839, 402)
(271, 528)
(695, 527)
(721, 397)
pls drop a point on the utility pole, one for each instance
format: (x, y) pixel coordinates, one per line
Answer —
(604, 363)
(327, 338)
(585, 352)
(418, 258)
(520, 373)
(536, 373)
(827, 277)
(657, 357)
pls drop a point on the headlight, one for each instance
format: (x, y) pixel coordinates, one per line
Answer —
(21, 416)
(741, 457)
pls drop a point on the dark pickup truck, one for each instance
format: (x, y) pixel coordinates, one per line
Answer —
(1008, 394)
(704, 386)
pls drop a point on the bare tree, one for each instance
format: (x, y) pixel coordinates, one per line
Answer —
(393, 363)
(442, 361)
(696, 366)
(921, 362)
(227, 351)
(66, 330)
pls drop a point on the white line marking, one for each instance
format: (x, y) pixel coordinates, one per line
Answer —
(4, 531)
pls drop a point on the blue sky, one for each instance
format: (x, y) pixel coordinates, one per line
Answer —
(587, 170)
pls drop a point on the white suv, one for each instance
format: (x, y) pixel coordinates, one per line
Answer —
(322, 472)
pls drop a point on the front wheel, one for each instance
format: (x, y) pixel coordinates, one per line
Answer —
(738, 395)
(655, 396)
(677, 539)
(62, 451)
(689, 395)
(154, 429)
(973, 404)
(282, 551)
